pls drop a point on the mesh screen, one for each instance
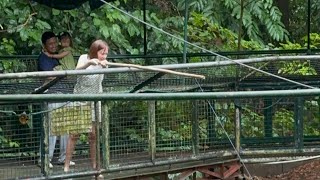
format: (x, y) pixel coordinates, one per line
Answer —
(218, 78)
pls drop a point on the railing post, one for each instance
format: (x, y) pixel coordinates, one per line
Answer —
(97, 126)
(105, 135)
(152, 129)
(44, 144)
(195, 127)
(298, 122)
(237, 126)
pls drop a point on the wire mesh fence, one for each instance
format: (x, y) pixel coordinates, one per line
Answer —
(141, 132)
(20, 139)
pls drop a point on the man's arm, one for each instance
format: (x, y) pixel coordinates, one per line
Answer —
(58, 56)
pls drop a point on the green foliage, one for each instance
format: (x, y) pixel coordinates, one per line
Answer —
(314, 40)
(283, 123)
(131, 127)
(311, 117)
(9, 66)
(6, 142)
(297, 68)
(251, 123)
(178, 114)
(224, 122)
(298, 19)
(215, 37)
(169, 135)
(210, 26)
(256, 14)
(7, 47)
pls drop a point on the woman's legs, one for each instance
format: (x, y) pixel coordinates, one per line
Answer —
(93, 143)
(70, 149)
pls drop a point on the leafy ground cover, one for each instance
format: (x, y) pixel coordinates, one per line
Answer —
(308, 171)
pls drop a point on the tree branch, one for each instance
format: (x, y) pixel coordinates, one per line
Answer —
(21, 25)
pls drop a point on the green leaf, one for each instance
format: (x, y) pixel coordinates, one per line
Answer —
(105, 31)
(55, 12)
(23, 35)
(96, 22)
(42, 24)
(85, 25)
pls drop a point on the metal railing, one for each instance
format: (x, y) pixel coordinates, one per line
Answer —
(153, 131)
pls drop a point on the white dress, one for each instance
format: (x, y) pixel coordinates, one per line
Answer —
(77, 117)
(90, 84)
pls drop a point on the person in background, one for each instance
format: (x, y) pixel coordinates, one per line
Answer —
(65, 55)
(49, 43)
(48, 63)
(89, 84)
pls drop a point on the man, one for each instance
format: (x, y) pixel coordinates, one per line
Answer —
(46, 63)
(50, 44)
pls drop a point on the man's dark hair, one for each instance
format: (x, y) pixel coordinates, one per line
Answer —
(47, 35)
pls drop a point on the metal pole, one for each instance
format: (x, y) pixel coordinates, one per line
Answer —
(186, 17)
(174, 66)
(308, 25)
(160, 96)
(152, 129)
(45, 143)
(237, 126)
(145, 48)
(106, 135)
(97, 127)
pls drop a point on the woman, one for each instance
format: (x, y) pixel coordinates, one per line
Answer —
(89, 84)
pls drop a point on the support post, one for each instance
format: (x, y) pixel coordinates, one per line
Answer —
(97, 126)
(152, 129)
(44, 144)
(237, 124)
(106, 136)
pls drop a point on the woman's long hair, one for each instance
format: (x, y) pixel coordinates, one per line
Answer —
(96, 46)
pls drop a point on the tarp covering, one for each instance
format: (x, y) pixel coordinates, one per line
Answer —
(71, 4)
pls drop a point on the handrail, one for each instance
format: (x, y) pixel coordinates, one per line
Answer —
(160, 96)
(168, 66)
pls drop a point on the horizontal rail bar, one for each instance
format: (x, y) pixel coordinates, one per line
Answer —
(175, 66)
(160, 96)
